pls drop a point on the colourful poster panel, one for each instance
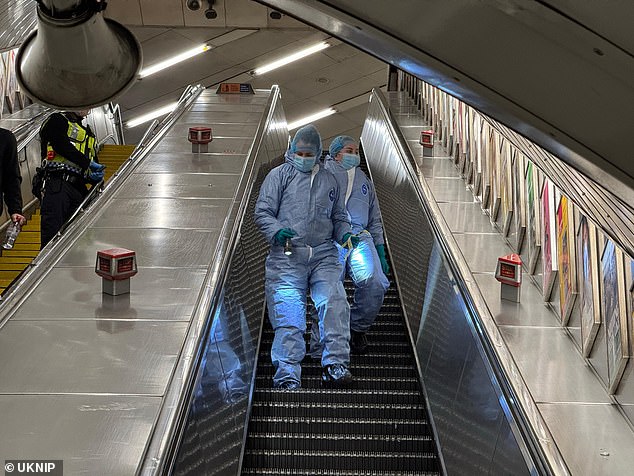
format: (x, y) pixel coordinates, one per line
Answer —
(533, 227)
(588, 284)
(565, 261)
(613, 310)
(549, 239)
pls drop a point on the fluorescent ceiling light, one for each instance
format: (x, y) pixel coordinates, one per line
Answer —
(174, 60)
(151, 115)
(290, 58)
(312, 118)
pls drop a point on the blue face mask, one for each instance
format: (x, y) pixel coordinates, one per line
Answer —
(350, 160)
(303, 164)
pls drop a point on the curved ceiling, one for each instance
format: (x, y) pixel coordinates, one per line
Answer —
(559, 73)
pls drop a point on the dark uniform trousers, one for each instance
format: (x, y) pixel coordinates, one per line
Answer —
(63, 193)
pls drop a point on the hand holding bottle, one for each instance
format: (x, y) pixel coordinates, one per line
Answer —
(12, 233)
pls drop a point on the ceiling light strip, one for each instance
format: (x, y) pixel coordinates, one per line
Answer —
(312, 118)
(137, 121)
(291, 58)
(174, 60)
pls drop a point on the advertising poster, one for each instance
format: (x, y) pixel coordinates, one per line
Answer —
(462, 164)
(613, 310)
(588, 284)
(519, 201)
(471, 150)
(459, 134)
(494, 166)
(549, 239)
(533, 226)
(476, 169)
(566, 260)
(485, 186)
(3, 81)
(507, 188)
(10, 86)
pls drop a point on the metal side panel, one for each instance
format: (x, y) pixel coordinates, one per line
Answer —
(213, 436)
(93, 369)
(92, 434)
(576, 420)
(476, 431)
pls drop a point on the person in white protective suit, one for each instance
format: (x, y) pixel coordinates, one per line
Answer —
(300, 202)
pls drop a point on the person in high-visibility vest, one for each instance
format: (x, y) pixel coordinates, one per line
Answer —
(10, 177)
(69, 153)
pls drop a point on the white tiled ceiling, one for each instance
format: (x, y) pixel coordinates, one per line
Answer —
(332, 76)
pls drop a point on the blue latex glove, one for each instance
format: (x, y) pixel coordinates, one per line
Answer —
(380, 250)
(96, 176)
(350, 240)
(96, 167)
(280, 236)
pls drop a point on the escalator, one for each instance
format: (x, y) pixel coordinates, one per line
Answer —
(234, 422)
(27, 246)
(379, 427)
(113, 156)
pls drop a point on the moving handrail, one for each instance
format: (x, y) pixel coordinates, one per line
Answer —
(523, 415)
(26, 131)
(168, 431)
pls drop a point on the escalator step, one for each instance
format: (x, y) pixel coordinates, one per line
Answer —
(323, 395)
(310, 368)
(329, 442)
(359, 383)
(341, 460)
(8, 275)
(349, 410)
(379, 325)
(26, 246)
(377, 347)
(21, 253)
(4, 266)
(374, 337)
(15, 259)
(377, 428)
(29, 237)
(341, 426)
(335, 472)
(371, 358)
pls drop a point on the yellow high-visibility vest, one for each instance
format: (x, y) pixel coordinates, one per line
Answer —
(81, 139)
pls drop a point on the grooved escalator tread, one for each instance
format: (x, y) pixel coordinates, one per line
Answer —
(311, 369)
(359, 382)
(378, 427)
(324, 395)
(333, 442)
(330, 472)
(319, 459)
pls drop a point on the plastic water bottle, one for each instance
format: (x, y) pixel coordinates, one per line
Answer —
(288, 248)
(12, 233)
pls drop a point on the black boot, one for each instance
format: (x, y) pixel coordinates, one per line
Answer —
(336, 376)
(358, 342)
